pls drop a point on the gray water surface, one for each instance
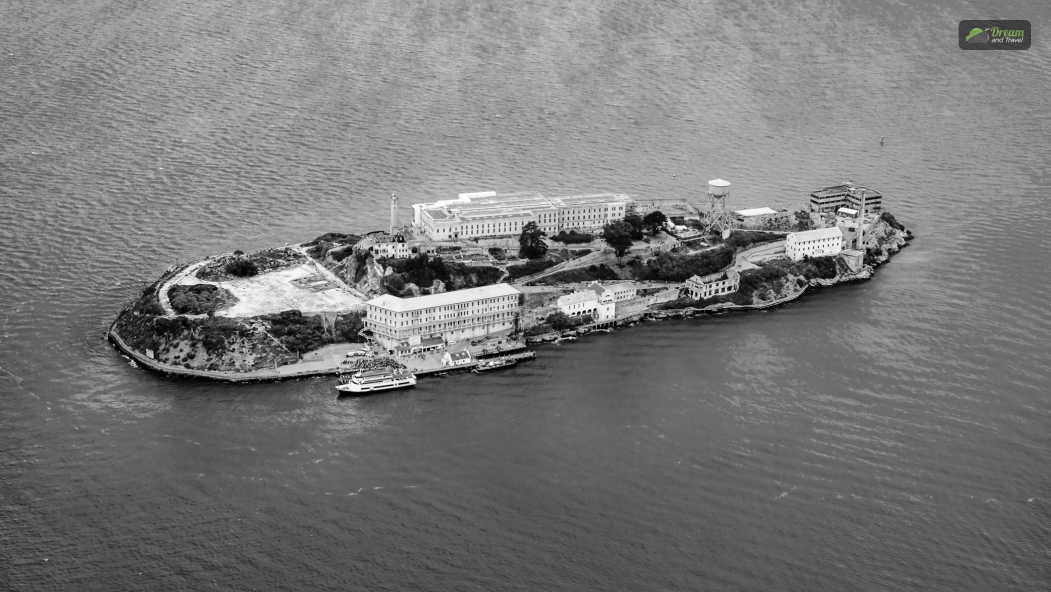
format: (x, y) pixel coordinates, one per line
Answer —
(889, 435)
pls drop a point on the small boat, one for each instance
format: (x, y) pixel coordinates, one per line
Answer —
(369, 381)
(494, 364)
(603, 330)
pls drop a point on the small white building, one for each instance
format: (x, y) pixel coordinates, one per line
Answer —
(614, 292)
(456, 358)
(814, 243)
(713, 284)
(579, 304)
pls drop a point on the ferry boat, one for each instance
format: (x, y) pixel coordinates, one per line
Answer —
(494, 364)
(369, 381)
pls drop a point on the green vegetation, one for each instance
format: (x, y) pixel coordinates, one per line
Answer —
(679, 267)
(298, 333)
(809, 268)
(635, 221)
(528, 268)
(591, 273)
(422, 270)
(242, 267)
(654, 221)
(498, 253)
(198, 298)
(572, 237)
(891, 221)
(618, 235)
(531, 242)
(264, 261)
(803, 221)
(332, 243)
(743, 239)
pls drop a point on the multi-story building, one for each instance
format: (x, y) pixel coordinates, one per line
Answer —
(587, 302)
(614, 292)
(713, 284)
(814, 243)
(848, 195)
(493, 215)
(452, 316)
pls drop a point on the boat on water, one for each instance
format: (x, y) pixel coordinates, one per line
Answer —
(369, 381)
(494, 364)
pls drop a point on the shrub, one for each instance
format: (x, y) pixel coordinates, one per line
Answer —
(528, 268)
(242, 268)
(678, 267)
(591, 273)
(559, 321)
(572, 237)
(891, 221)
(197, 299)
(296, 332)
(743, 239)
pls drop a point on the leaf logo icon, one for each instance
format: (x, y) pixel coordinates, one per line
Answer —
(977, 36)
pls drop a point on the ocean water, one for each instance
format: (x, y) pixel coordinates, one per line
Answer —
(890, 435)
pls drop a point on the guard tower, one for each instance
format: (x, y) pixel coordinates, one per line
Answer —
(393, 212)
(718, 217)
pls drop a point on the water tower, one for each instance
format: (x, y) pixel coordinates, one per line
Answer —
(718, 217)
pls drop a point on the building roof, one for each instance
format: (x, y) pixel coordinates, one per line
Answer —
(459, 296)
(818, 234)
(429, 341)
(847, 211)
(844, 189)
(756, 212)
(577, 298)
(620, 286)
(460, 355)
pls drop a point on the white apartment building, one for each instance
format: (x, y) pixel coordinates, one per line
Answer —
(713, 284)
(452, 316)
(490, 214)
(814, 243)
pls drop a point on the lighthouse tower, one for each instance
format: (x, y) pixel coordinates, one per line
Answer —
(393, 212)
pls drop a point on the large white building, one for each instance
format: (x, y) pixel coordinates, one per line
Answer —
(490, 214)
(814, 243)
(452, 316)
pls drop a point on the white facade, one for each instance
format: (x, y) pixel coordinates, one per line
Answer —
(814, 243)
(579, 304)
(713, 284)
(453, 316)
(491, 214)
(614, 292)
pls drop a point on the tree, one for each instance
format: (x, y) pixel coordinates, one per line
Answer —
(654, 221)
(531, 242)
(559, 321)
(635, 220)
(618, 236)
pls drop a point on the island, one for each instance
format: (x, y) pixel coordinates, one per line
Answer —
(487, 274)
